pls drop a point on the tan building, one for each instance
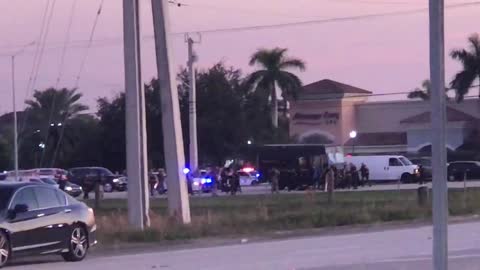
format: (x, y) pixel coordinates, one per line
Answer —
(327, 111)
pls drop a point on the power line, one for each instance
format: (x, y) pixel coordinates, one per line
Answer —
(60, 72)
(38, 49)
(82, 65)
(66, 42)
(117, 40)
(43, 44)
(89, 45)
(329, 20)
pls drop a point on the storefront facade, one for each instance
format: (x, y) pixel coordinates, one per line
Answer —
(327, 111)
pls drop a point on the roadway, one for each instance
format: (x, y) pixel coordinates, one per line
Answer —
(393, 249)
(265, 189)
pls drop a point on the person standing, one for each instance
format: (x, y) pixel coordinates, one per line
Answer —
(347, 175)
(421, 174)
(152, 182)
(317, 175)
(330, 183)
(365, 173)
(274, 178)
(354, 176)
(161, 181)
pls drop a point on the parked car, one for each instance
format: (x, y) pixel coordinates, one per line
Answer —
(426, 163)
(248, 178)
(457, 170)
(387, 168)
(107, 179)
(201, 182)
(29, 218)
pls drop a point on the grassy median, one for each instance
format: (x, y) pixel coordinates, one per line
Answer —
(257, 214)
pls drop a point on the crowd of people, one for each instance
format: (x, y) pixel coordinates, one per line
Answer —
(325, 177)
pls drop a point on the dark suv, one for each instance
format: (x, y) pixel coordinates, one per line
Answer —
(108, 180)
(459, 169)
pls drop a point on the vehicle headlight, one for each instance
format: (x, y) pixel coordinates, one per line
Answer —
(116, 180)
(68, 189)
(196, 183)
(416, 171)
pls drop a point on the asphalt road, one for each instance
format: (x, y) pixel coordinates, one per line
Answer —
(399, 249)
(265, 189)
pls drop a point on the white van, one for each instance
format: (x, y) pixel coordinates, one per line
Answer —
(386, 168)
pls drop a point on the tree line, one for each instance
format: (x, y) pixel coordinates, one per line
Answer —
(56, 129)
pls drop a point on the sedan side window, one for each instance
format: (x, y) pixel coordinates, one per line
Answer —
(26, 197)
(47, 198)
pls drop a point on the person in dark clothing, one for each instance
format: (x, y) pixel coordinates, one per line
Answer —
(354, 175)
(88, 184)
(152, 182)
(421, 175)
(365, 173)
(347, 176)
(274, 178)
(317, 176)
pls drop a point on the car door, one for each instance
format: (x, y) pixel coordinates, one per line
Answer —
(23, 224)
(53, 219)
(395, 169)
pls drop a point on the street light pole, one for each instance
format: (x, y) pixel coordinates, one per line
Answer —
(15, 122)
(14, 105)
(193, 164)
(439, 153)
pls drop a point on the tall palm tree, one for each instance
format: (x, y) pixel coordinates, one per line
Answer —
(421, 93)
(55, 105)
(49, 112)
(273, 71)
(470, 60)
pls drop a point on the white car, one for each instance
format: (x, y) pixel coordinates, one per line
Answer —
(248, 178)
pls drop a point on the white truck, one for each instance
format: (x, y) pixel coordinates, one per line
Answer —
(386, 168)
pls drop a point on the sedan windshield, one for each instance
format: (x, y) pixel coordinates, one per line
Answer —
(5, 194)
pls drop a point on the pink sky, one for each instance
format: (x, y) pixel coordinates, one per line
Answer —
(384, 55)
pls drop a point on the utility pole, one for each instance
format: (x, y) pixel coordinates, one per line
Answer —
(138, 203)
(15, 122)
(14, 107)
(178, 203)
(439, 153)
(192, 101)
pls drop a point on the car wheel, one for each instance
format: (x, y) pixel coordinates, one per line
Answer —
(406, 178)
(77, 245)
(108, 188)
(254, 183)
(4, 249)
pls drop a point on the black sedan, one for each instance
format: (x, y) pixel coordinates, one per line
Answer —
(37, 219)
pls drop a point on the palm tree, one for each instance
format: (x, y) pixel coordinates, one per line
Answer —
(272, 73)
(50, 110)
(56, 106)
(421, 93)
(470, 60)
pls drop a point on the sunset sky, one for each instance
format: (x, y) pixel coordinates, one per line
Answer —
(383, 54)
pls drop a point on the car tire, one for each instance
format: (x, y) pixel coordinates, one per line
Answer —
(77, 245)
(108, 188)
(406, 178)
(5, 249)
(254, 183)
